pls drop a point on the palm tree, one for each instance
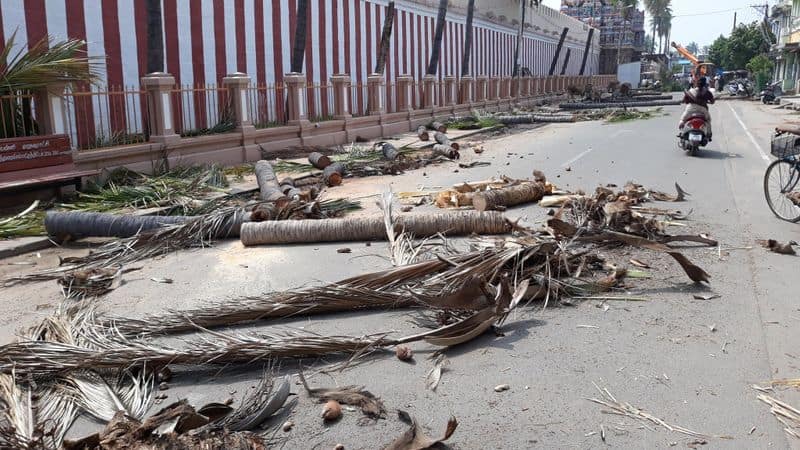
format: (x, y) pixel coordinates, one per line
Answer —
(664, 29)
(386, 38)
(46, 63)
(465, 70)
(433, 64)
(299, 47)
(155, 37)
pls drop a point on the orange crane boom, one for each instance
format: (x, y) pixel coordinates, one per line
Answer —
(701, 68)
(686, 54)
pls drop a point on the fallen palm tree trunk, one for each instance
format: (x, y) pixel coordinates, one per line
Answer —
(334, 174)
(640, 98)
(270, 191)
(535, 118)
(508, 196)
(370, 228)
(200, 231)
(422, 133)
(634, 104)
(319, 161)
(78, 224)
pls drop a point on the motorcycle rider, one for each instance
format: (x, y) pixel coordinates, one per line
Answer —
(697, 100)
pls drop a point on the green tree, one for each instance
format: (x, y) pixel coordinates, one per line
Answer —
(744, 43)
(761, 67)
(718, 52)
(693, 48)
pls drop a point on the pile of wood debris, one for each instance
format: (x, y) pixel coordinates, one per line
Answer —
(107, 366)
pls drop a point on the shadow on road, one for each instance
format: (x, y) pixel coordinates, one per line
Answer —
(716, 154)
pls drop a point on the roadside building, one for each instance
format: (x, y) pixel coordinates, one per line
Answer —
(786, 27)
(621, 40)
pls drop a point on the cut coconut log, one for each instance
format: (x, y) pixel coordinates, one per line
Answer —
(442, 139)
(264, 211)
(444, 150)
(80, 224)
(334, 174)
(439, 126)
(319, 160)
(286, 185)
(509, 196)
(374, 227)
(422, 133)
(270, 191)
(390, 152)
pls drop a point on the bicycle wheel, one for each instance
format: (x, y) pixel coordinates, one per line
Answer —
(781, 183)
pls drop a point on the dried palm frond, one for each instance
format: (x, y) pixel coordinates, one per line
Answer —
(264, 401)
(33, 418)
(626, 409)
(133, 394)
(115, 351)
(786, 414)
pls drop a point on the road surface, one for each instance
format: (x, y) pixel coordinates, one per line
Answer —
(689, 362)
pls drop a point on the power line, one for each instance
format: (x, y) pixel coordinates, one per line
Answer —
(721, 11)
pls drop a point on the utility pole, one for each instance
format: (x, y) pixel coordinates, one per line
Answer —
(765, 24)
(734, 22)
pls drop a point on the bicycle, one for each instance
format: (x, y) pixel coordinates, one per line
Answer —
(782, 178)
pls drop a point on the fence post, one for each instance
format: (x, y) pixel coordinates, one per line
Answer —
(404, 95)
(465, 92)
(159, 104)
(450, 97)
(491, 92)
(296, 111)
(376, 93)
(507, 94)
(341, 96)
(429, 91)
(237, 84)
(525, 90)
(481, 89)
(50, 111)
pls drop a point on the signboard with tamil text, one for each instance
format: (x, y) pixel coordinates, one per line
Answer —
(34, 151)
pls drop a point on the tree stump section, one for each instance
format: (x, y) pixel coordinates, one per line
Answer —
(319, 161)
(334, 174)
(422, 133)
(509, 196)
(270, 191)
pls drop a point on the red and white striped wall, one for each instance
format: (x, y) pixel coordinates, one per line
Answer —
(208, 39)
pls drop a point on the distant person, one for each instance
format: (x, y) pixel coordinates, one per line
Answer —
(697, 100)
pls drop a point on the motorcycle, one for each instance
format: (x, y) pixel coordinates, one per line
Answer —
(771, 93)
(694, 134)
(739, 88)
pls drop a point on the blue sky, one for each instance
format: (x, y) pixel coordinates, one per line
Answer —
(702, 22)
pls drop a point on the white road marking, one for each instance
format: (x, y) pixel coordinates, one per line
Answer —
(752, 139)
(573, 160)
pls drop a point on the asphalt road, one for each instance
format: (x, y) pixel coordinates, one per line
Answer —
(660, 355)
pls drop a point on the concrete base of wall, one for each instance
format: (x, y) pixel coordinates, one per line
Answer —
(250, 144)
